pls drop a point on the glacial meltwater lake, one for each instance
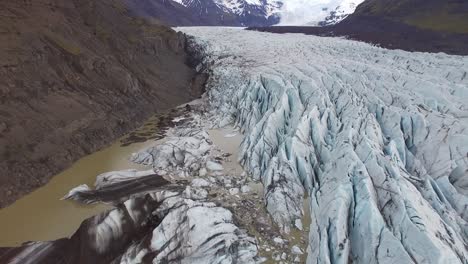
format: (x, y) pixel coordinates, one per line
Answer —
(42, 216)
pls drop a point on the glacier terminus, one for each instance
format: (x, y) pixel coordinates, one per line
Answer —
(303, 149)
(377, 139)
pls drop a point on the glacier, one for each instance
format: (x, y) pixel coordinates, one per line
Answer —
(193, 204)
(377, 139)
(161, 226)
(304, 149)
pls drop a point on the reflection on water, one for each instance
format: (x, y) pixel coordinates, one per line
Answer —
(41, 215)
(155, 128)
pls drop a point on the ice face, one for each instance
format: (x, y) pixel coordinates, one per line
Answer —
(180, 154)
(201, 233)
(162, 226)
(377, 138)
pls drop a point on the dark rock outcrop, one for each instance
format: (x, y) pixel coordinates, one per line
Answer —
(76, 75)
(206, 12)
(175, 14)
(449, 16)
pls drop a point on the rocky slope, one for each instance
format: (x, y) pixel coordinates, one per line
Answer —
(429, 26)
(244, 12)
(74, 76)
(175, 14)
(434, 26)
(209, 12)
(445, 16)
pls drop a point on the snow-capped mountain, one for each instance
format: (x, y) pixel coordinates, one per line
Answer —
(266, 8)
(251, 12)
(316, 12)
(245, 12)
(346, 8)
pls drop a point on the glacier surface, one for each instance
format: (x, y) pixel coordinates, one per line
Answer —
(376, 138)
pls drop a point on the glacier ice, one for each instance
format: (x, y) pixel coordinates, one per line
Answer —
(162, 226)
(180, 154)
(202, 233)
(376, 138)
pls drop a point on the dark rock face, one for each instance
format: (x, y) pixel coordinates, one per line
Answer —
(332, 19)
(427, 26)
(396, 35)
(449, 16)
(241, 13)
(74, 76)
(175, 14)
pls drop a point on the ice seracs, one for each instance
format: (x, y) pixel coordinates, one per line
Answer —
(180, 155)
(378, 139)
(157, 226)
(201, 233)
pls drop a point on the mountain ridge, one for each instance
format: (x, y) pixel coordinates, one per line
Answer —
(401, 27)
(75, 76)
(243, 13)
(445, 16)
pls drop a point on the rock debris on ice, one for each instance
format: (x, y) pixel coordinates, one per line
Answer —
(179, 155)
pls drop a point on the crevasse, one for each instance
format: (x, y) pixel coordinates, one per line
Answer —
(378, 139)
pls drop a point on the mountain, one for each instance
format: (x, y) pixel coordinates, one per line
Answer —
(247, 12)
(416, 25)
(316, 13)
(175, 14)
(343, 10)
(449, 16)
(74, 76)
(209, 12)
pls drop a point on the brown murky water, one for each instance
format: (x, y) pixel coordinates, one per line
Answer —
(228, 140)
(41, 215)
